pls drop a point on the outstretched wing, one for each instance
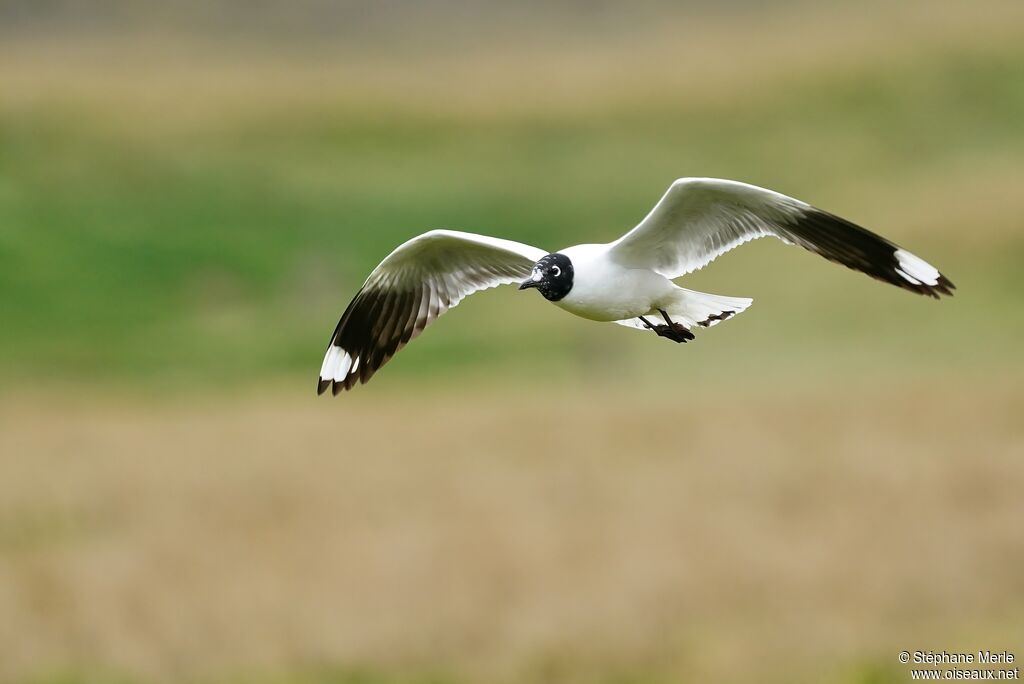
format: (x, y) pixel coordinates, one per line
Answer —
(699, 219)
(414, 285)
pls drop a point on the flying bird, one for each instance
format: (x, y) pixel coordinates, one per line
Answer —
(628, 281)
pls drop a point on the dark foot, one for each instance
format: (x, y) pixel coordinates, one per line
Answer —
(716, 317)
(676, 332)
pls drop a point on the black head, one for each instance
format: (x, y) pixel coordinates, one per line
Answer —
(552, 275)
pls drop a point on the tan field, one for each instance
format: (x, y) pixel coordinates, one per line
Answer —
(774, 534)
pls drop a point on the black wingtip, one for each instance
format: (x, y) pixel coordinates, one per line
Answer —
(942, 286)
(945, 286)
(336, 388)
(855, 247)
(321, 386)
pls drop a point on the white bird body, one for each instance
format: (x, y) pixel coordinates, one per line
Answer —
(605, 291)
(628, 281)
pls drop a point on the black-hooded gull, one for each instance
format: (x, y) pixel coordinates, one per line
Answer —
(628, 281)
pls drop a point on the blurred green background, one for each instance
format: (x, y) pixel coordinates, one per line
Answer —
(189, 196)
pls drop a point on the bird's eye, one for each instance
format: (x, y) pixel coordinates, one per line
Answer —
(555, 271)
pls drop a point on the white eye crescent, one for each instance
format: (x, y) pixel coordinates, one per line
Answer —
(555, 271)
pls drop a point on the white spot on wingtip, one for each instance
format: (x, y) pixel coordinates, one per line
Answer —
(906, 276)
(916, 270)
(336, 364)
(341, 372)
(330, 362)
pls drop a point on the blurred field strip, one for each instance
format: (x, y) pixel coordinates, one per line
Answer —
(777, 534)
(692, 60)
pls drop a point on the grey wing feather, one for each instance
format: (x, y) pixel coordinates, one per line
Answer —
(699, 219)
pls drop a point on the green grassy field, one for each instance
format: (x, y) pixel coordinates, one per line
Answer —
(520, 496)
(189, 235)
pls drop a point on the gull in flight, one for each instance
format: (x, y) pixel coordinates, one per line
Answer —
(628, 281)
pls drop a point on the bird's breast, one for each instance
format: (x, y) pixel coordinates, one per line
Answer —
(604, 291)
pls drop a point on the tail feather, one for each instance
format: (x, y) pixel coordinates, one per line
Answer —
(705, 310)
(696, 309)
